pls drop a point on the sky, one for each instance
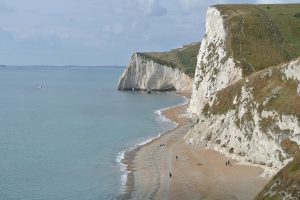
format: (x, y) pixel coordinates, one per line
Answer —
(98, 32)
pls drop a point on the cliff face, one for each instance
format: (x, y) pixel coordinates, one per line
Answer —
(249, 119)
(245, 107)
(143, 73)
(215, 69)
(241, 40)
(246, 89)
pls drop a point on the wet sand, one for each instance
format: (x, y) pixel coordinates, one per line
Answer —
(198, 173)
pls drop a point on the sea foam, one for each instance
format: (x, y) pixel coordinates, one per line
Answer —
(160, 117)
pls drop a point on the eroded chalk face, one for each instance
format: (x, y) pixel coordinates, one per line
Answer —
(249, 120)
(145, 74)
(216, 69)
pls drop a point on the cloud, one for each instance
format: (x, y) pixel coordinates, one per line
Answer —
(189, 5)
(196, 5)
(114, 28)
(5, 8)
(152, 7)
(95, 32)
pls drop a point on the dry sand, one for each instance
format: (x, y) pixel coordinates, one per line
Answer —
(196, 174)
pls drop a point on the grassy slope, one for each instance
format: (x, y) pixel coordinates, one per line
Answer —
(283, 98)
(184, 58)
(286, 180)
(282, 93)
(262, 35)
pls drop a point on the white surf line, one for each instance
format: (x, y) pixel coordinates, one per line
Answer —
(121, 155)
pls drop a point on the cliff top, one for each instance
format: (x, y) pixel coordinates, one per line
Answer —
(184, 58)
(260, 36)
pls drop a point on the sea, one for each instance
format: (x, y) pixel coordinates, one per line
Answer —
(64, 131)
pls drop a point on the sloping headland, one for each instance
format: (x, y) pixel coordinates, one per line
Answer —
(163, 71)
(245, 100)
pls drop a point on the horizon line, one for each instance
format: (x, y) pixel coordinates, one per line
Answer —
(91, 66)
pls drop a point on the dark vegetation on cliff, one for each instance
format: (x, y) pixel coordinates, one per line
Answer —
(184, 58)
(270, 89)
(286, 182)
(261, 36)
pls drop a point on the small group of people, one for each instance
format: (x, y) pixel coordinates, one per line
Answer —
(227, 163)
(162, 145)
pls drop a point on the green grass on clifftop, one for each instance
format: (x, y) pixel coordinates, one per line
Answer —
(261, 36)
(184, 58)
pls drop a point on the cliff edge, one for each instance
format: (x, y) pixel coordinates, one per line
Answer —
(161, 71)
(246, 89)
(241, 40)
(249, 119)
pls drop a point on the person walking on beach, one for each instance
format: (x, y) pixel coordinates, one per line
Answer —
(170, 174)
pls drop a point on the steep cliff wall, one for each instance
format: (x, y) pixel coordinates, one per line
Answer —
(215, 69)
(246, 89)
(143, 73)
(241, 40)
(249, 119)
(245, 107)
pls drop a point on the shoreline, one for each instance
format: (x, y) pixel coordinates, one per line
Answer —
(127, 156)
(149, 165)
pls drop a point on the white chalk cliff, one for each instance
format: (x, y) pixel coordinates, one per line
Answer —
(252, 116)
(143, 74)
(249, 130)
(215, 68)
(244, 117)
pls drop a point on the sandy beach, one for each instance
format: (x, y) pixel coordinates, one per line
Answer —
(197, 173)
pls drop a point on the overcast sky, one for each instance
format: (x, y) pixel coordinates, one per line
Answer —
(98, 32)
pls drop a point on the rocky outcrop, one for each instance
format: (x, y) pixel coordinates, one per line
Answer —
(246, 89)
(242, 115)
(216, 69)
(249, 119)
(145, 74)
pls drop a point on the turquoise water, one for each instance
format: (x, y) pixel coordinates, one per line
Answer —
(62, 128)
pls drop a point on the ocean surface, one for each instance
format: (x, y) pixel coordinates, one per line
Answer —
(63, 131)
